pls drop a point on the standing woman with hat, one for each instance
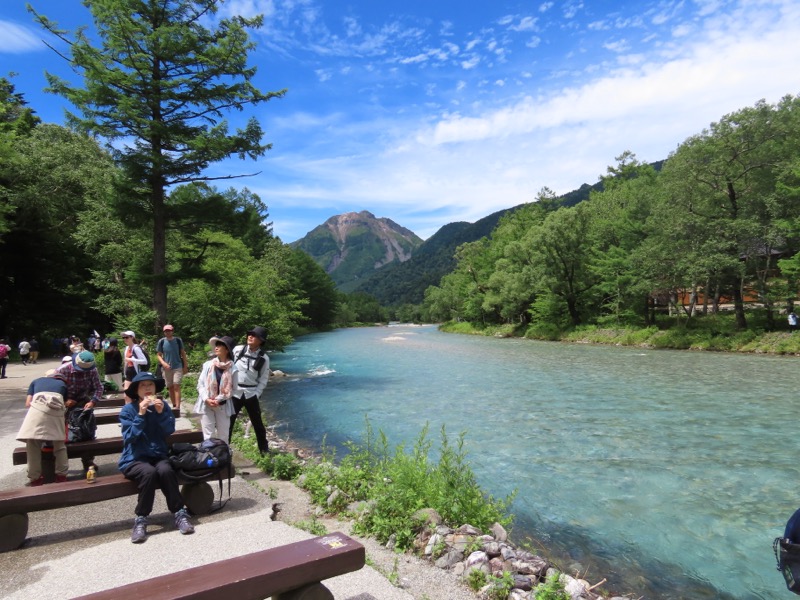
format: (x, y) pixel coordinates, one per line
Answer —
(134, 357)
(252, 363)
(215, 387)
(146, 422)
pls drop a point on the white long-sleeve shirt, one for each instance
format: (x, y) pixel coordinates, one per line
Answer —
(250, 382)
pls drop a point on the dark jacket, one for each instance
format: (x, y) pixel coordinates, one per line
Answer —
(144, 437)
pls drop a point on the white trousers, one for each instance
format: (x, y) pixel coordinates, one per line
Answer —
(215, 423)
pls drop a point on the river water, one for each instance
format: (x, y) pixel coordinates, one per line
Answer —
(668, 472)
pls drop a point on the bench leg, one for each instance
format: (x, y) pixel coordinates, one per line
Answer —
(198, 497)
(313, 591)
(13, 530)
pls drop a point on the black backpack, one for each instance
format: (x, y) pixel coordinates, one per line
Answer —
(146, 365)
(208, 460)
(81, 425)
(787, 553)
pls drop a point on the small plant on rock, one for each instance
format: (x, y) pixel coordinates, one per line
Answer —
(551, 589)
(476, 579)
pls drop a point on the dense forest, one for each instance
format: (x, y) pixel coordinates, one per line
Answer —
(109, 222)
(718, 224)
(77, 253)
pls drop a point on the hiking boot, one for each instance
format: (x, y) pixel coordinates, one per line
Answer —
(182, 522)
(61, 478)
(36, 482)
(139, 533)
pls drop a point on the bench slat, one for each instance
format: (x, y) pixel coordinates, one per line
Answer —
(253, 576)
(61, 495)
(103, 446)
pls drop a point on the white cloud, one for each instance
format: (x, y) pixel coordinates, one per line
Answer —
(16, 39)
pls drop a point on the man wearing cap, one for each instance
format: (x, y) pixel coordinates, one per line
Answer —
(84, 388)
(252, 363)
(173, 361)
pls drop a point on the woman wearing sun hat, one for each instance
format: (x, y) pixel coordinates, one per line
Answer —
(146, 424)
(215, 387)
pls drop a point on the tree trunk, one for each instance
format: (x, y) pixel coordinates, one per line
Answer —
(738, 305)
(159, 256)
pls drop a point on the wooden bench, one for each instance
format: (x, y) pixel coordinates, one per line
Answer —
(110, 417)
(103, 446)
(16, 504)
(291, 572)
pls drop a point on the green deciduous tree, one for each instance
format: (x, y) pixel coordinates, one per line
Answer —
(157, 87)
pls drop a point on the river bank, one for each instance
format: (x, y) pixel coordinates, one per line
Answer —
(717, 335)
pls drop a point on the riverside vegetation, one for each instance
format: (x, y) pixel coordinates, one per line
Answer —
(717, 332)
(434, 509)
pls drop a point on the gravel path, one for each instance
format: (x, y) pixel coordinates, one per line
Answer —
(84, 549)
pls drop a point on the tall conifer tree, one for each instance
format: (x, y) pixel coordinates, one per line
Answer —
(158, 86)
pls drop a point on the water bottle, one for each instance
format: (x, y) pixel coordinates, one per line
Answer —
(90, 475)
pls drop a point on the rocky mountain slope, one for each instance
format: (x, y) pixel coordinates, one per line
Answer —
(351, 246)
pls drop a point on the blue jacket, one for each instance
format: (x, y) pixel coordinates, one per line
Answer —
(144, 437)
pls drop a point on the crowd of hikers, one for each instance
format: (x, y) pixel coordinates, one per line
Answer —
(63, 401)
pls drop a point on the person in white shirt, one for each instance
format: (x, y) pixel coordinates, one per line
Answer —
(252, 364)
(24, 350)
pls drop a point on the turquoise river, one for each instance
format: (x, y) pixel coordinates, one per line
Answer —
(668, 472)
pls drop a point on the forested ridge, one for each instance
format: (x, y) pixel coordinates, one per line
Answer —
(717, 225)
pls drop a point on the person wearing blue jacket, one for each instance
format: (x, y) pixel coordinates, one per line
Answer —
(146, 423)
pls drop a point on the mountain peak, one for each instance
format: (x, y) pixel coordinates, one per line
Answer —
(352, 245)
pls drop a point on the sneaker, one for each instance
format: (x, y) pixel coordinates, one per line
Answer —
(36, 482)
(61, 478)
(182, 522)
(139, 533)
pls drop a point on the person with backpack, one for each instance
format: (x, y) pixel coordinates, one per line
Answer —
(84, 389)
(5, 350)
(252, 364)
(135, 358)
(146, 423)
(174, 363)
(215, 388)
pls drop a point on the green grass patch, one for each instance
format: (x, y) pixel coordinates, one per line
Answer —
(396, 484)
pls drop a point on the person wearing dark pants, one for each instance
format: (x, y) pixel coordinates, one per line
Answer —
(252, 365)
(144, 459)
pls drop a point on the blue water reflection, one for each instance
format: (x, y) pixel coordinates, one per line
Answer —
(670, 472)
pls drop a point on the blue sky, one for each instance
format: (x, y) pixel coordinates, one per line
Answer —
(440, 111)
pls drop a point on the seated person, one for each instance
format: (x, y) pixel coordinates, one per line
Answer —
(44, 423)
(144, 459)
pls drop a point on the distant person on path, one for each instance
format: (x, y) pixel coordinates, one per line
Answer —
(5, 350)
(252, 364)
(44, 424)
(84, 389)
(792, 321)
(173, 361)
(215, 390)
(113, 363)
(134, 357)
(145, 454)
(34, 350)
(24, 350)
